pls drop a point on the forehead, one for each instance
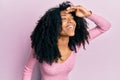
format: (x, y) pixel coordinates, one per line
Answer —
(64, 14)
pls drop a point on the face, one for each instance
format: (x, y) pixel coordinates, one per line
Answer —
(68, 24)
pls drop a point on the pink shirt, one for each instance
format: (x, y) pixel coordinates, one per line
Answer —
(60, 71)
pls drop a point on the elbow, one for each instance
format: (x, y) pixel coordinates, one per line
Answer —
(106, 27)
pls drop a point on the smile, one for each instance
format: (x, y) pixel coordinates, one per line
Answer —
(70, 27)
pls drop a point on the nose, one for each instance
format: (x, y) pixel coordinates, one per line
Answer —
(69, 20)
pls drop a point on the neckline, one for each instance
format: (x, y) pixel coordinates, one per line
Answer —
(65, 60)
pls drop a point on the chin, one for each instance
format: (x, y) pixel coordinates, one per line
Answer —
(72, 34)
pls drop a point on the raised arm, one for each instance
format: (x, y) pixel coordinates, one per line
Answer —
(102, 25)
(28, 69)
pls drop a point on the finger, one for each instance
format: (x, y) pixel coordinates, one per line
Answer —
(78, 6)
(75, 8)
(82, 9)
(70, 9)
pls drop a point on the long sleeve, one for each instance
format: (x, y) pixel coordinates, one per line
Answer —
(28, 69)
(102, 25)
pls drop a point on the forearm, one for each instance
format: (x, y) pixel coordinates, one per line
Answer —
(101, 22)
(102, 25)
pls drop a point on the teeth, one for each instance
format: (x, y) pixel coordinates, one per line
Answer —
(70, 27)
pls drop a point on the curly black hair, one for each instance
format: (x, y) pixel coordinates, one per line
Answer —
(45, 35)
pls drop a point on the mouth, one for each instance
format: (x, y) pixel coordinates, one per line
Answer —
(70, 27)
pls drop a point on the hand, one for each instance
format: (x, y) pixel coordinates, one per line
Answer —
(79, 11)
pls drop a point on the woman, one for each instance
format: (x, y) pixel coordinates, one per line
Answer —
(58, 36)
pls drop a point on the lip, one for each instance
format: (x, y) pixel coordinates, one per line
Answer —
(70, 27)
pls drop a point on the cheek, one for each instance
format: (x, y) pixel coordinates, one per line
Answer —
(74, 23)
(64, 23)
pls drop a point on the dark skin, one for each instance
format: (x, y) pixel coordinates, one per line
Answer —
(68, 29)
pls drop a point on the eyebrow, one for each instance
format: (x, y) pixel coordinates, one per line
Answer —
(63, 14)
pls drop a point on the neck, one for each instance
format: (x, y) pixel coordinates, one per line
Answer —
(63, 42)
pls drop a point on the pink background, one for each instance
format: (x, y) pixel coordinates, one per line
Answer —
(101, 60)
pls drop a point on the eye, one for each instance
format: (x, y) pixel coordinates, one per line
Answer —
(64, 18)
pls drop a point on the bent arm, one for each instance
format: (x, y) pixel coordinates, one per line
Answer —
(28, 69)
(102, 25)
